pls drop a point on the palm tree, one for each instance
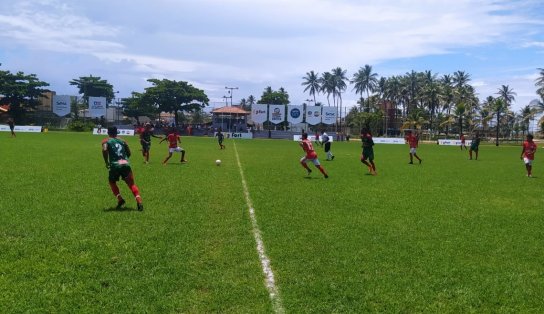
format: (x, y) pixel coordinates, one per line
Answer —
(507, 94)
(416, 119)
(311, 81)
(459, 113)
(339, 77)
(326, 84)
(539, 82)
(499, 106)
(526, 114)
(365, 81)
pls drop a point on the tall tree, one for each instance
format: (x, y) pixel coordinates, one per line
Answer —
(272, 97)
(539, 82)
(93, 86)
(136, 107)
(327, 85)
(311, 81)
(365, 80)
(175, 97)
(21, 91)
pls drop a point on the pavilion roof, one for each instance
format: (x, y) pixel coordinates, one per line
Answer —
(230, 110)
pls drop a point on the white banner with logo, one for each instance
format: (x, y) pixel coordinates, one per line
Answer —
(294, 114)
(104, 131)
(61, 105)
(388, 140)
(453, 142)
(236, 135)
(259, 113)
(97, 107)
(21, 128)
(313, 115)
(298, 138)
(328, 115)
(276, 114)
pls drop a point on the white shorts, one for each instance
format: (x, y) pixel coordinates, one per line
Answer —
(412, 150)
(175, 149)
(306, 160)
(527, 161)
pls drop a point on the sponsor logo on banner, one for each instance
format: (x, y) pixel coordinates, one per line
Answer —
(277, 113)
(259, 113)
(21, 128)
(453, 142)
(313, 115)
(328, 115)
(388, 140)
(61, 105)
(97, 107)
(104, 131)
(295, 113)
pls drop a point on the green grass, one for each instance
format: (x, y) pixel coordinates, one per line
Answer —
(450, 235)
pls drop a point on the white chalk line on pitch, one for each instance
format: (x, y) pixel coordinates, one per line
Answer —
(273, 291)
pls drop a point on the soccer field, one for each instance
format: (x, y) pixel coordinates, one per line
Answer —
(449, 235)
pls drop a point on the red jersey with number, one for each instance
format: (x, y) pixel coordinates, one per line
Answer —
(412, 140)
(173, 140)
(309, 149)
(462, 139)
(529, 149)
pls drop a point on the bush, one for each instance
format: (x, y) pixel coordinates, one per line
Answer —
(80, 125)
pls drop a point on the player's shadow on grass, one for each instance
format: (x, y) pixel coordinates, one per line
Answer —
(122, 209)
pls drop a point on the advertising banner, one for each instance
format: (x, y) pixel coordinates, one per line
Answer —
(97, 107)
(388, 140)
(454, 142)
(328, 115)
(313, 115)
(259, 113)
(61, 105)
(120, 132)
(22, 128)
(294, 114)
(276, 114)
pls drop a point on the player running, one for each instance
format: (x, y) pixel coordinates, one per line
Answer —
(326, 143)
(368, 151)
(474, 146)
(115, 152)
(145, 141)
(311, 155)
(528, 154)
(413, 141)
(173, 140)
(220, 138)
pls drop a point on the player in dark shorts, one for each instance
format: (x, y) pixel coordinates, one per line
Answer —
(145, 141)
(220, 138)
(326, 143)
(368, 151)
(474, 146)
(115, 152)
(11, 127)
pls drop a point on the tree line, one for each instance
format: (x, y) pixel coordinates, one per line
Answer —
(423, 100)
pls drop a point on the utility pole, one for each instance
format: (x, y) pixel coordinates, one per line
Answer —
(230, 92)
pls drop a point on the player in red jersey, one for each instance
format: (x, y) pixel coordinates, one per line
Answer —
(173, 140)
(311, 155)
(115, 152)
(528, 154)
(462, 138)
(413, 142)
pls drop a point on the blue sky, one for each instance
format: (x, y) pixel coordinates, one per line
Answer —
(253, 44)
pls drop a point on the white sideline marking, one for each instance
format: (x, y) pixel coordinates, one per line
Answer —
(273, 291)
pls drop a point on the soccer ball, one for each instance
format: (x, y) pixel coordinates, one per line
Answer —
(218, 162)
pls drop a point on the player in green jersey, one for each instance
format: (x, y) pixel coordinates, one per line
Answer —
(116, 152)
(145, 141)
(368, 151)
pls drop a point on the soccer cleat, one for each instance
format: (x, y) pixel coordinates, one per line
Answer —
(332, 158)
(309, 171)
(420, 161)
(120, 203)
(183, 160)
(140, 206)
(326, 176)
(411, 163)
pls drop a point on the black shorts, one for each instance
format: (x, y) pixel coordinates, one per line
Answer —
(119, 171)
(145, 146)
(327, 147)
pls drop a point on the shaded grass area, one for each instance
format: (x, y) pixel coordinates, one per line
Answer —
(450, 235)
